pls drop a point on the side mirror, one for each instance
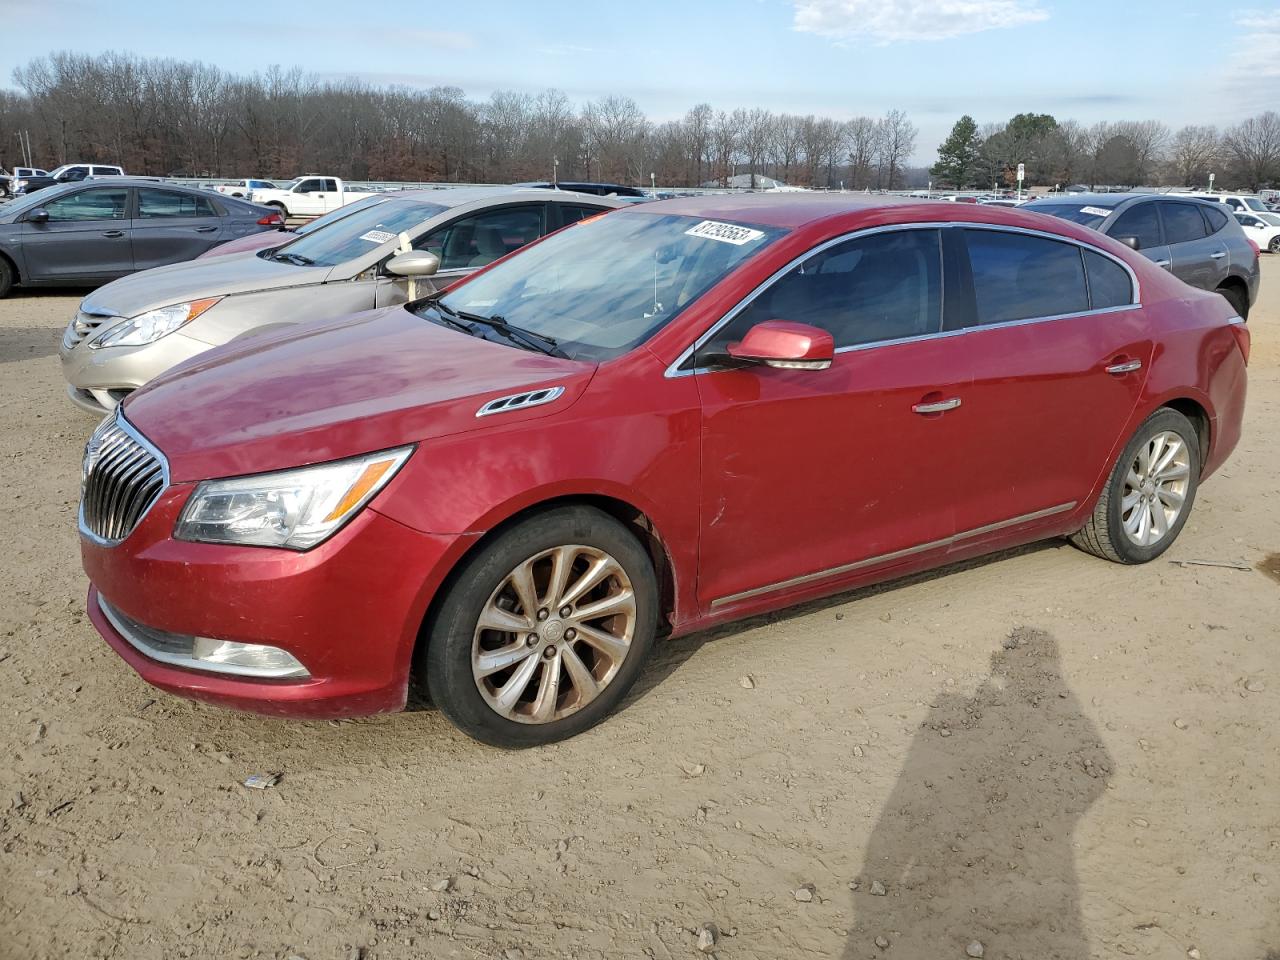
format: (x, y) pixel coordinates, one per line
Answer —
(1133, 243)
(785, 345)
(38, 215)
(414, 263)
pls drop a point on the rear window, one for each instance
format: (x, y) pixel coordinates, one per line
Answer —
(1019, 277)
(1086, 214)
(1216, 217)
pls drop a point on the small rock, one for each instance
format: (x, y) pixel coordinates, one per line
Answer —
(1255, 686)
(747, 682)
(1180, 723)
(707, 937)
(944, 732)
(693, 769)
(224, 758)
(38, 733)
(804, 894)
(882, 942)
(433, 914)
(1140, 822)
(877, 889)
(355, 953)
(262, 781)
(1193, 953)
(975, 949)
(442, 885)
(473, 871)
(839, 616)
(858, 752)
(513, 953)
(1260, 879)
(19, 801)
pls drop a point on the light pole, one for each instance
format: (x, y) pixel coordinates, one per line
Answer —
(653, 185)
(555, 171)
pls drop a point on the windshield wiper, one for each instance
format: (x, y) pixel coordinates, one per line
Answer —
(450, 316)
(294, 258)
(534, 341)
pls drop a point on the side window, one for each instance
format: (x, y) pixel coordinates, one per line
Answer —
(89, 205)
(163, 203)
(481, 238)
(331, 186)
(1215, 217)
(1018, 277)
(1182, 222)
(1233, 203)
(1140, 221)
(75, 174)
(572, 213)
(885, 286)
(311, 186)
(1109, 283)
(1249, 221)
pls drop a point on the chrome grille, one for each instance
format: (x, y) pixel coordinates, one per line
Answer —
(121, 478)
(83, 325)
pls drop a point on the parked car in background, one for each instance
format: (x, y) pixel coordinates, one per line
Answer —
(1236, 201)
(507, 492)
(69, 173)
(1194, 239)
(283, 234)
(1262, 228)
(599, 189)
(136, 328)
(11, 183)
(308, 196)
(242, 188)
(85, 234)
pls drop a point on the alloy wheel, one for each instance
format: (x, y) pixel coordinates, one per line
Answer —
(1155, 489)
(1274, 245)
(554, 634)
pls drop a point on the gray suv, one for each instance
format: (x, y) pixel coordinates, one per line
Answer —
(1198, 241)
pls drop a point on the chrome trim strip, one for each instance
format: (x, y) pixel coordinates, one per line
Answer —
(520, 401)
(187, 661)
(673, 369)
(129, 429)
(895, 555)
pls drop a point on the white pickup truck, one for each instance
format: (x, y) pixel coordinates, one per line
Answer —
(307, 196)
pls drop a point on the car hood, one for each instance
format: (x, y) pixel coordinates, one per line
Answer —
(194, 280)
(254, 241)
(333, 389)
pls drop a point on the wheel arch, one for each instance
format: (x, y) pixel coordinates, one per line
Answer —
(1194, 411)
(1238, 284)
(13, 265)
(628, 514)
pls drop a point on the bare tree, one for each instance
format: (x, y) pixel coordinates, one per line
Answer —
(863, 137)
(896, 143)
(1254, 149)
(1194, 152)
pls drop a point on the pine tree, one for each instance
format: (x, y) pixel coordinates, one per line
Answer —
(958, 156)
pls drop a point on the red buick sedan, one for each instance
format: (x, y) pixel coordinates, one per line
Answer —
(683, 413)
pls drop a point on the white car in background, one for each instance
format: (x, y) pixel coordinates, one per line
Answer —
(1262, 228)
(241, 188)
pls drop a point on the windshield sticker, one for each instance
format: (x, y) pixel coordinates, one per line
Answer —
(1096, 211)
(377, 236)
(724, 232)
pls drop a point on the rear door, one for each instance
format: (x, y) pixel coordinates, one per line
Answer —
(86, 237)
(812, 475)
(170, 227)
(1059, 352)
(1197, 258)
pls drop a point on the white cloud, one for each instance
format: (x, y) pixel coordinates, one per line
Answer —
(888, 20)
(1252, 70)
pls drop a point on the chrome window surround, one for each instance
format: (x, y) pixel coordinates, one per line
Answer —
(895, 555)
(673, 369)
(520, 401)
(151, 448)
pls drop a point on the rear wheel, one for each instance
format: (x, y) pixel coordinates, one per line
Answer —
(1274, 245)
(1238, 299)
(1149, 493)
(6, 277)
(544, 630)
(280, 209)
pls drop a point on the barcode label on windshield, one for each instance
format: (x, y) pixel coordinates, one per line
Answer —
(724, 232)
(1096, 211)
(377, 236)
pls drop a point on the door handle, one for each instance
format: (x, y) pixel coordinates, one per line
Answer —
(114, 234)
(1219, 255)
(1123, 367)
(1163, 263)
(205, 229)
(938, 406)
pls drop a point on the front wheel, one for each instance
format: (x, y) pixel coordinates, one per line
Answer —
(1149, 493)
(6, 277)
(1274, 245)
(544, 630)
(280, 209)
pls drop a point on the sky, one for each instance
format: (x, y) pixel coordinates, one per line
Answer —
(1179, 61)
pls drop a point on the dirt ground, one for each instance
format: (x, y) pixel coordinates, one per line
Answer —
(1042, 752)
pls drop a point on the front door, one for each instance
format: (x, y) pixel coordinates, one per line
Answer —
(85, 238)
(811, 475)
(1059, 357)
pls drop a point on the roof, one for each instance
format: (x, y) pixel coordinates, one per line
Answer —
(1112, 199)
(788, 210)
(457, 196)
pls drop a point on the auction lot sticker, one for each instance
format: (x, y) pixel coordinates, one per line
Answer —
(377, 236)
(1097, 211)
(724, 232)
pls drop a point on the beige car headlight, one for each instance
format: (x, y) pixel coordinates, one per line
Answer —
(152, 325)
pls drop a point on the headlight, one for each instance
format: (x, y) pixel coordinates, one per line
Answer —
(293, 508)
(152, 325)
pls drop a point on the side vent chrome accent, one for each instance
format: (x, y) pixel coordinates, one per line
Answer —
(520, 401)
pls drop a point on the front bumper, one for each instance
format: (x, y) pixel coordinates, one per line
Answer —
(348, 610)
(98, 379)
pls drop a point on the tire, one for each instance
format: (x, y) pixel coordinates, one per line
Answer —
(280, 208)
(7, 277)
(1274, 245)
(1110, 532)
(506, 714)
(1238, 299)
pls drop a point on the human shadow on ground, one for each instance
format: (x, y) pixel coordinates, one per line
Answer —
(975, 841)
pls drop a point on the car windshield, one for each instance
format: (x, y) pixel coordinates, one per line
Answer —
(357, 234)
(603, 286)
(335, 215)
(1270, 218)
(31, 200)
(1086, 214)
